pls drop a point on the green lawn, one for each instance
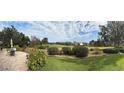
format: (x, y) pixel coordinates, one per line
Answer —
(102, 63)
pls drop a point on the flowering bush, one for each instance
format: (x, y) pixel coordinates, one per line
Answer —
(37, 60)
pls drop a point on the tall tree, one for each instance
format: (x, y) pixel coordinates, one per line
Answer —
(113, 33)
(34, 41)
(11, 32)
(45, 40)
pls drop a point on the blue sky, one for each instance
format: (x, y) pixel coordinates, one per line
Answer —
(80, 31)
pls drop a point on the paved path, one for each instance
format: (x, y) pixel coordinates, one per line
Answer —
(13, 63)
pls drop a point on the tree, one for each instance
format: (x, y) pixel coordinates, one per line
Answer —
(11, 32)
(92, 42)
(112, 33)
(96, 43)
(45, 40)
(24, 40)
(34, 41)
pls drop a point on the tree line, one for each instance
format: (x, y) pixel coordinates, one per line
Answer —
(18, 38)
(11, 33)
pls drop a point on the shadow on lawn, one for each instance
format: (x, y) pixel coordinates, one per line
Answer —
(95, 63)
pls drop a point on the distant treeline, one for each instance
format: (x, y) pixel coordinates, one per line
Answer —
(62, 43)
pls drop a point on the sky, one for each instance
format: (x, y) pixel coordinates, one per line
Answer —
(58, 31)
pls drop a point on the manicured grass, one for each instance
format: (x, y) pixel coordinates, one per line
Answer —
(101, 63)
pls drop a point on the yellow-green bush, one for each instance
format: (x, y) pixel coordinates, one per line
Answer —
(17, 47)
(37, 60)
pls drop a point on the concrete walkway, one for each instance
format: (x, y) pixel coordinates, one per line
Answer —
(13, 63)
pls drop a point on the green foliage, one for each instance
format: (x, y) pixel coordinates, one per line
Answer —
(53, 51)
(91, 49)
(45, 41)
(120, 49)
(97, 43)
(43, 46)
(65, 43)
(111, 50)
(17, 47)
(66, 50)
(81, 51)
(74, 50)
(112, 33)
(18, 38)
(37, 60)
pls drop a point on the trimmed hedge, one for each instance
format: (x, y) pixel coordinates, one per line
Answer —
(121, 50)
(81, 51)
(91, 49)
(111, 51)
(67, 50)
(53, 51)
(74, 50)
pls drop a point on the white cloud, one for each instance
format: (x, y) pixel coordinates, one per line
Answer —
(58, 30)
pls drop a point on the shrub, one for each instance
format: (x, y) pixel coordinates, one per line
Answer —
(121, 50)
(36, 60)
(74, 50)
(66, 50)
(111, 51)
(81, 51)
(53, 51)
(91, 49)
(17, 47)
(43, 46)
